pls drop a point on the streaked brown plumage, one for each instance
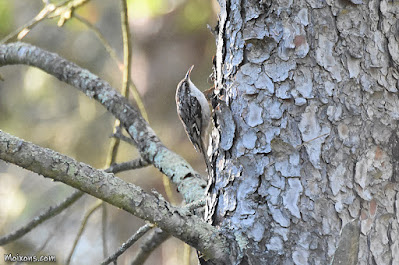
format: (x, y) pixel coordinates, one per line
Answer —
(193, 111)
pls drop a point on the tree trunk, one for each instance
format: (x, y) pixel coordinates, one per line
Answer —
(305, 145)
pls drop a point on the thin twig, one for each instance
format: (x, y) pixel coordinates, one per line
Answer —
(127, 56)
(157, 237)
(148, 245)
(122, 137)
(43, 14)
(127, 48)
(49, 213)
(82, 228)
(133, 164)
(104, 229)
(49, 11)
(102, 39)
(66, 11)
(114, 145)
(114, 56)
(151, 242)
(140, 232)
(59, 223)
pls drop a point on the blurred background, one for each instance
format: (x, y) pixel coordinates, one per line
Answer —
(168, 37)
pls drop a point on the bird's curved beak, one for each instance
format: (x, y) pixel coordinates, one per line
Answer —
(189, 72)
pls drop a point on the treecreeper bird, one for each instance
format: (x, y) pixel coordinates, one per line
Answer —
(193, 111)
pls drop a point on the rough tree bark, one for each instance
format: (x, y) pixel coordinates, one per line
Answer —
(305, 144)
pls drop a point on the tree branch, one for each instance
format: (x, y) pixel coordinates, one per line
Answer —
(156, 238)
(49, 213)
(188, 182)
(112, 54)
(82, 228)
(178, 222)
(129, 165)
(133, 239)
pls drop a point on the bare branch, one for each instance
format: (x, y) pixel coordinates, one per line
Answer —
(104, 237)
(127, 57)
(25, 29)
(177, 222)
(139, 233)
(156, 238)
(63, 10)
(49, 213)
(112, 53)
(82, 227)
(188, 182)
(118, 134)
(133, 164)
(127, 49)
